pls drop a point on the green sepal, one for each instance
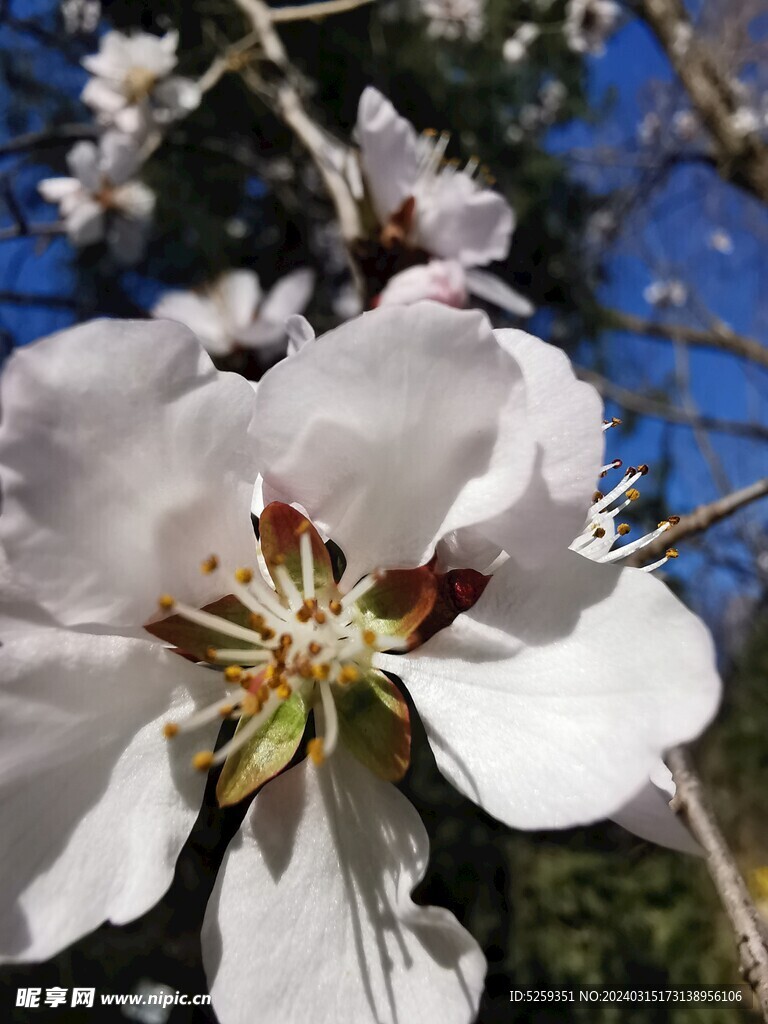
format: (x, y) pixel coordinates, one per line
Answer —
(280, 528)
(192, 639)
(399, 602)
(374, 724)
(265, 754)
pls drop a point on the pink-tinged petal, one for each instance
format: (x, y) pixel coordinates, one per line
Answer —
(266, 754)
(280, 530)
(388, 153)
(550, 702)
(200, 314)
(439, 280)
(456, 220)
(375, 725)
(126, 459)
(326, 860)
(565, 417)
(395, 429)
(96, 803)
(649, 815)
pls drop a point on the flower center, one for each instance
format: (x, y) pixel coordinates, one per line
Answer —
(139, 83)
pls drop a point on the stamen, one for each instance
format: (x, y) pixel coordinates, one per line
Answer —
(360, 589)
(209, 565)
(629, 549)
(240, 655)
(243, 735)
(331, 733)
(613, 422)
(616, 464)
(215, 622)
(203, 716)
(307, 566)
(291, 591)
(203, 760)
(315, 750)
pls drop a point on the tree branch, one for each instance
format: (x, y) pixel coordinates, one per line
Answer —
(701, 519)
(30, 299)
(301, 12)
(742, 158)
(49, 138)
(719, 337)
(648, 406)
(692, 805)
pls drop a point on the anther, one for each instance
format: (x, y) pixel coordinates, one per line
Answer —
(243, 575)
(315, 647)
(335, 607)
(211, 654)
(166, 602)
(251, 704)
(369, 637)
(233, 673)
(203, 760)
(349, 674)
(320, 670)
(633, 494)
(284, 690)
(304, 614)
(286, 640)
(315, 750)
(598, 532)
(642, 470)
(597, 496)
(672, 553)
(623, 529)
(170, 729)
(209, 565)
(319, 616)
(673, 520)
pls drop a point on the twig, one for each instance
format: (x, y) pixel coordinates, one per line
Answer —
(301, 12)
(31, 230)
(230, 60)
(701, 519)
(691, 804)
(285, 100)
(30, 299)
(48, 138)
(645, 405)
(720, 336)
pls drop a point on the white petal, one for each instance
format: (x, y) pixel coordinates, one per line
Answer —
(288, 296)
(388, 153)
(127, 239)
(120, 157)
(237, 294)
(492, 289)
(126, 459)
(312, 909)
(177, 95)
(565, 417)
(551, 701)
(200, 314)
(439, 280)
(85, 222)
(395, 429)
(649, 815)
(53, 190)
(96, 804)
(103, 96)
(456, 220)
(135, 200)
(300, 332)
(83, 162)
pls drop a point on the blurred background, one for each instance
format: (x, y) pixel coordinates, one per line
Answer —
(642, 242)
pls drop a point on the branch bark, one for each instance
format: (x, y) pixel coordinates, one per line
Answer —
(720, 337)
(700, 520)
(645, 405)
(692, 805)
(742, 158)
(302, 12)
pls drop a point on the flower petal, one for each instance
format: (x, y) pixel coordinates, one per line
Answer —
(280, 529)
(266, 754)
(96, 804)
(388, 153)
(125, 460)
(456, 220)
(550, 701)
(399, 602)
(491, 288)
(649, 815)
(375, 725)
(395, 429)
(83, 162)
(189, 638)
(237, 293)
(288, 296)
(200, 314)
(85, 222)
(326, 861)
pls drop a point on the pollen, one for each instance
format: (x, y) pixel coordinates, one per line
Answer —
(170, 729)
(349, 674)
(233, 673)
(211, 654)
(302, 527)
(672, 553)
(211, 564)
(243, 575)
(251, 704)
(314, 647)
(335, 607)
(369, 637)
(203, 760)
(623, 529)
(284, 690)
(166, 602)
(320, 670)
(315, 751)
(599, 531)
(633, 494)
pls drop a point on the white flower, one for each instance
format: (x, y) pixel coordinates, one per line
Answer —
(80, 15)
(589, 23)
(515, 49)
(548, 692)
(232, 313)
(685, 125)
(424, 202)
(454, 19)
(446, 281)
(745, 121)
(721, 241)
(666, 293)
(132, 85)
(102, 199)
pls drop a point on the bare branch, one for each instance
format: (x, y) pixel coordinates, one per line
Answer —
(30, 299)
(645, 405)
(692, 805)
(301, 12)
(700, 520)
(720, 336)
(742, 158)
(49, 138)
(46, 230)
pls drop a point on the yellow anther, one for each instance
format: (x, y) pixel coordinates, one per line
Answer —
(304, 614)
(315, 647)
(598, 532)
(615, 421)
(672, 553)
(623, 529)
(633, 494)
(166, 602)
(269, 672)
(320, 670)
(278, 560)
(263, 693)
(673, 520)
(369, 637)
(597, 496)
(284, 690)
(286, 640)
(203, 760)
(211, 654)
(251, 704)
(211, 564)
(276, 681)
(243, 575)
(226, 710)
(319, 616)
(429, 132)
(233, 673)
(349, 674)
(256, 621)
(170, 729)
(315, 750)
(335, 607)
(302, 527)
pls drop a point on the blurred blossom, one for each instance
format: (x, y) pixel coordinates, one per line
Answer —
(682, 35)
(446, 281)
(132, 86)
(663, 294)
(721, 241)
(685, 125)
(422, 201)
(454, 19)
(80, 16)
(649, 129)
(232, 312)
(515, 48)
(101, 200)
(347, 302)
(513, 648)
(589, 24)
(745, 120)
